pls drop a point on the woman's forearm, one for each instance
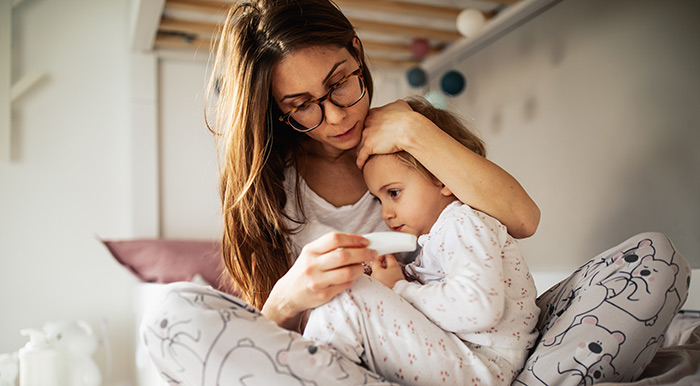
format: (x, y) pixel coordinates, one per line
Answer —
(473, 179)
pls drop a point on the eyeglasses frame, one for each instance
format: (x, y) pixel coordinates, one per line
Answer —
(319, 101)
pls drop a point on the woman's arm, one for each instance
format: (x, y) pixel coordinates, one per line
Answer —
(473, 179)
(325, 267)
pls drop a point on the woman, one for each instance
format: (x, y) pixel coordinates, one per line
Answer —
(303, 63)
(295, 128)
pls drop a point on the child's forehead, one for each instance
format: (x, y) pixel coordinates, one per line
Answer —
(378, 162)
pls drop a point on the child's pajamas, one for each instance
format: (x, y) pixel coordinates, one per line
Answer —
(470, 320)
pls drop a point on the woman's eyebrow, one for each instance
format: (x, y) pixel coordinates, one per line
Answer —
(330, 73)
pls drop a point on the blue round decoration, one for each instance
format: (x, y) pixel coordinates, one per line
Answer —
(452, 83)
(416, 77)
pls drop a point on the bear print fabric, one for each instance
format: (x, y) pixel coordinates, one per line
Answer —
(200, 336)
(606, 321)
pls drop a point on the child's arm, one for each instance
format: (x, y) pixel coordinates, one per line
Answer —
(471, 297)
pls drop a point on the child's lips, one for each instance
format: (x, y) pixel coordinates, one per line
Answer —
(398, 228)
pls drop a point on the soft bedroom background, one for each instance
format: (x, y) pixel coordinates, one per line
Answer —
(593, 105)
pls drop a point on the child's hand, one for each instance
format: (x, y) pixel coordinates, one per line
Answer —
(387, 270)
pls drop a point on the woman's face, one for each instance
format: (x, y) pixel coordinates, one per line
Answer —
(308, 74)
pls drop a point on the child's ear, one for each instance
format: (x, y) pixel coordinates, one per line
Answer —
(445, 191)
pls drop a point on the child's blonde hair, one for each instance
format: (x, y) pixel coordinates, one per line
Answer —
(447, 122)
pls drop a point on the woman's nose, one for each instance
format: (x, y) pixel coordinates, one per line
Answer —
(334, 114)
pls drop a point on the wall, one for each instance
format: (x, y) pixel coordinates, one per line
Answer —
(593, 106)
(69, 178)
(190, 206)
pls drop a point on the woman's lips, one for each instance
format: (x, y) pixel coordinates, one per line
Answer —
(347, 134)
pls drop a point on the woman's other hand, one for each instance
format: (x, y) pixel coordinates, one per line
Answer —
(325, 267)
(387, 270)
(386, 130)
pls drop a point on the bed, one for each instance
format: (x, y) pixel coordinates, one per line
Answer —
(157, 262)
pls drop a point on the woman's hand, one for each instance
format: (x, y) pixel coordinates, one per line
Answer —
(386, 128)
(388, 271)
(325, 267)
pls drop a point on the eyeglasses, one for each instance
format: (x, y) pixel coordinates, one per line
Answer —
(344, 93)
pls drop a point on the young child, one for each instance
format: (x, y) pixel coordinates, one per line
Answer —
(469, 280)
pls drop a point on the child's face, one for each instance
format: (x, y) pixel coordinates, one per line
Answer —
(411, 202)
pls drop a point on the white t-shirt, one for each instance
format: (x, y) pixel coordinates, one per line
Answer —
(362, 217)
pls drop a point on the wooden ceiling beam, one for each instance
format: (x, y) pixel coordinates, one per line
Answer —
(504, 2)
(174, 41)
(402, 8)
(393, 63)
(165, 40)
(406, 30)
(188, 27)
(370, 45)
(204, 28)
(185, 40)
(201, 6)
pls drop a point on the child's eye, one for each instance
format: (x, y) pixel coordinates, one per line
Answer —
(393, 193)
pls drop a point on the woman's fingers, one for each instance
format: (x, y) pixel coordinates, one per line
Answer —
(334, 240)
(343, 257)
(334, 281)
(383, 130)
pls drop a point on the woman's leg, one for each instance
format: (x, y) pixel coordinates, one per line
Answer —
(199, 336)
(372, 325)
(606, 321)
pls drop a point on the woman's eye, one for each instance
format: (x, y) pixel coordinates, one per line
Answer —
(302, 106)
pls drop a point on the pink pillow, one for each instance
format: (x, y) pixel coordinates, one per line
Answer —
(167, 261)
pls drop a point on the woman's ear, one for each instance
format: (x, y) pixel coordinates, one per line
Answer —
(357, 44)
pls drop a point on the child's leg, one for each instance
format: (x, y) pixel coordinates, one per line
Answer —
(199, 336)
(371, 324)
(606, 321)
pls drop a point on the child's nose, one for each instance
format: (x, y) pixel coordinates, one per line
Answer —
(387, 213)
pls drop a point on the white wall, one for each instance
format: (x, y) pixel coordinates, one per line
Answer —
(69, 179)
(190, 206)
(593, 106)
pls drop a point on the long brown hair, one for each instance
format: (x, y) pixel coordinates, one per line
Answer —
(255, 147)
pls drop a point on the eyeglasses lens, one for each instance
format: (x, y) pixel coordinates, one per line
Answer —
(343, 94)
